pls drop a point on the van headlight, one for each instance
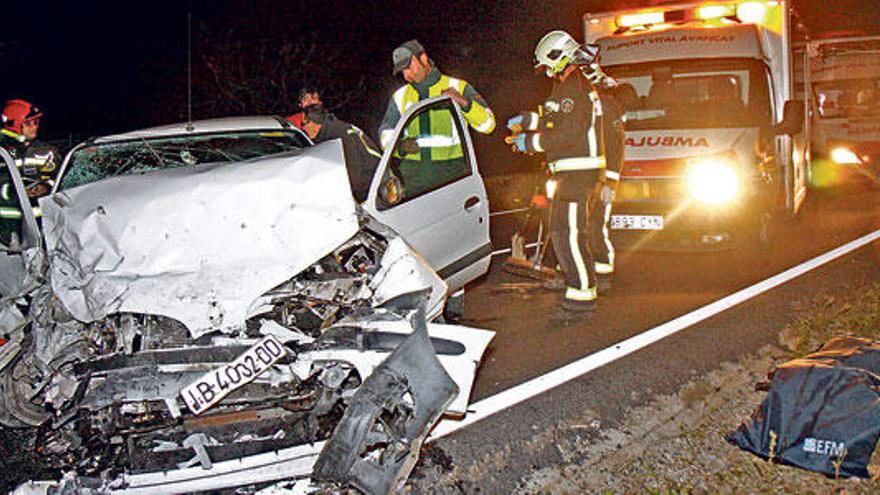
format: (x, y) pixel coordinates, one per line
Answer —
(844, 156)
(713, 180)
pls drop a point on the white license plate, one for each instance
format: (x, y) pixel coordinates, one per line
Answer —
(216, 384)
(637, 222)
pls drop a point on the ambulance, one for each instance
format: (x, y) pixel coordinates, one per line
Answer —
(845, 78)
(716, 136)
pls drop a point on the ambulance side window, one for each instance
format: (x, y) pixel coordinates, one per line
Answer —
(428, 155)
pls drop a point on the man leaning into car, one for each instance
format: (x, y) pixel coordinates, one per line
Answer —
(361, 154)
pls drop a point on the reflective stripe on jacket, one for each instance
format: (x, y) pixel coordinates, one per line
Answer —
(579, 163)
(35, 160)
(19, 138)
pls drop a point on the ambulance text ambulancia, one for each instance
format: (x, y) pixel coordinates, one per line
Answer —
(715, 141)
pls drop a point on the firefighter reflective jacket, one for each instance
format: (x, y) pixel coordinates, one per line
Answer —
(35, 161)
(437, 124)
(570, 130)
(36, 164)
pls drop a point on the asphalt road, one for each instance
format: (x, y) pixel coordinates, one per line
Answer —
(649, 289)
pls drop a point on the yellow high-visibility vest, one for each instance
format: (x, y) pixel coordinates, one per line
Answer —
(440, 135)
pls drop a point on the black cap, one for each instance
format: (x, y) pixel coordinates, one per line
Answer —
(403, 54)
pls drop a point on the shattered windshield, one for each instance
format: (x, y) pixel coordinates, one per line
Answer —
(100, 161)
(848, 98)
(687, 94)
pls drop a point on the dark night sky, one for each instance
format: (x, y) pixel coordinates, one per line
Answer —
(98, 68)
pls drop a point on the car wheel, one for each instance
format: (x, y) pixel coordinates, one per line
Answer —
(17, 408)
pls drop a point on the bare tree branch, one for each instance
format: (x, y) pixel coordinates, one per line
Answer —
(263, 74)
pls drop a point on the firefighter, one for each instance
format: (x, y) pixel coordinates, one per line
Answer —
(361, 154)
(569, 131)
(424, 80)
(35, 161)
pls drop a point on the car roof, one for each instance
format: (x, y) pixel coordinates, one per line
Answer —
(224, 124)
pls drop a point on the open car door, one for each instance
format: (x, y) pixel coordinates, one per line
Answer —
(20, 241)
(428, 188)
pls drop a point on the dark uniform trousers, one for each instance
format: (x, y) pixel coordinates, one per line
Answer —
(570, 220)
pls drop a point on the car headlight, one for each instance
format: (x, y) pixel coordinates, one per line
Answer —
(713, 180)
(843, 156)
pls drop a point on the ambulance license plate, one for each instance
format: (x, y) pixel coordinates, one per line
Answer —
(637, 222)
(216, 384)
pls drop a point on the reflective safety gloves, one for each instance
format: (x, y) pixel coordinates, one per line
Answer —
(514, 124)
(524, 121)
(523, 138)
(525, 142)
(517, 143)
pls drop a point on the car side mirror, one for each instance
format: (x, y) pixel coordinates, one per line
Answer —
(792, 118)
(390, 191)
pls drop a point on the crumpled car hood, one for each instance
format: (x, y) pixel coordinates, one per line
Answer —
(199, 245)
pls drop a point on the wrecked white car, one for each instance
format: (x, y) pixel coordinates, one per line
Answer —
(185, 327)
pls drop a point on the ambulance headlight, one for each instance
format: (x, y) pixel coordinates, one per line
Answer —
(713, 180)
(843, 156)
(752, 12)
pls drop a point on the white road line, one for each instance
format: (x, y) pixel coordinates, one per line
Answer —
(524, 391)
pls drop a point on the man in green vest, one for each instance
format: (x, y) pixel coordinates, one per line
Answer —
(432, 148)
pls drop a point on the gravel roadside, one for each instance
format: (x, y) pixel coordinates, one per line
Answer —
(675, 443)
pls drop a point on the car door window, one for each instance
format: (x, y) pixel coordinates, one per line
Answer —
(429, 154)
(11, 222)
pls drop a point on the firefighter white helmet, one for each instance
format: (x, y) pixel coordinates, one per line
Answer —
(555, 51)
